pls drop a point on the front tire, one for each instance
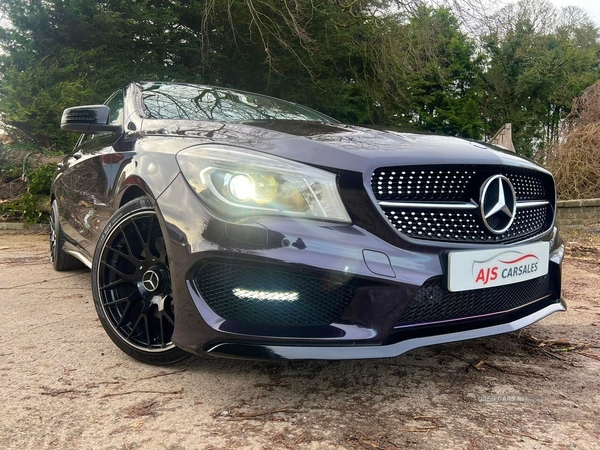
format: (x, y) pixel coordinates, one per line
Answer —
(132, 287)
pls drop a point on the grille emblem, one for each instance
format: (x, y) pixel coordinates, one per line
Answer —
(498, 204)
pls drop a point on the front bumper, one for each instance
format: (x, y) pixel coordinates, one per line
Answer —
(299, 351)
(385, 279)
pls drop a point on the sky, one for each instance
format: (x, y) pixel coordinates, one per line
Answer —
(591, 6)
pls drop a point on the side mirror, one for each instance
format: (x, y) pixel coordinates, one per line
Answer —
(90, 119)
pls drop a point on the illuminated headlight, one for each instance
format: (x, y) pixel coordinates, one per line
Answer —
(241, 187)
(237, 182)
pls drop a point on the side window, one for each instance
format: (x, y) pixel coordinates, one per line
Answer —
(115, 103)
(85, 138)
(116, 109)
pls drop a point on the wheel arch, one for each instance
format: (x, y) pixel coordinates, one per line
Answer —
(135, 187)
(132, 187)
(131, 192)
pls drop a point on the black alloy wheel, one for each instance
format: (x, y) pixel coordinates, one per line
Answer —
(60, 260)
(132, 286)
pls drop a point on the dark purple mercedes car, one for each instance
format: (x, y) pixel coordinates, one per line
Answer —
(233, 224)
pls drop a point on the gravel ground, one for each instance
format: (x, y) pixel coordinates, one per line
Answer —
(63, 384)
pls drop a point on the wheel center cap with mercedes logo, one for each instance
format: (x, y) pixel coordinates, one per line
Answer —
(498, 203)
(151, 280)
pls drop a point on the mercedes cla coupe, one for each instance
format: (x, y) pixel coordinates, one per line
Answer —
(233, 224)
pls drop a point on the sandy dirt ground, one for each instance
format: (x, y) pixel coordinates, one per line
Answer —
(64, 385)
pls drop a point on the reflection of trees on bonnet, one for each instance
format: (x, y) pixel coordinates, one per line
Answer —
(183, 102)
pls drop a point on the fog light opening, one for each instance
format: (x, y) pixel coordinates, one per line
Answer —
(266, 295)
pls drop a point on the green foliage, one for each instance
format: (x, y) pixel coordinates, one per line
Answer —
(442, 92)
(360, 61)
(17, 158)
(536, 67)
(22, 147)
(341, 57)
(32, 205)
(60, 54)
(25, 208)
(9, 169)
(9, 172)
(41, 179)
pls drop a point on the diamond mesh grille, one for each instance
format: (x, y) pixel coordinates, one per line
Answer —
(433, 303)
(405, 184)
(464, 226)
(527, 187)
(256, 295)
(448, 184)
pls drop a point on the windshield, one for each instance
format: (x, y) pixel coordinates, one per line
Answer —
(190, 102)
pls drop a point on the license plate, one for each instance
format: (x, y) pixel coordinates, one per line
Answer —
(478, 269)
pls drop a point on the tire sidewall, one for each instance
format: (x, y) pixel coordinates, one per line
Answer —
(61, 261)
(54, 252)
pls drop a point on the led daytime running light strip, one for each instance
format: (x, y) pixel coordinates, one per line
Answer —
(266, 295)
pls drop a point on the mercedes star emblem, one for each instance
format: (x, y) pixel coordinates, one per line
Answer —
(150, 280)
(498, 204)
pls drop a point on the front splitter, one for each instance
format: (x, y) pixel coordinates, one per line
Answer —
(362, 351)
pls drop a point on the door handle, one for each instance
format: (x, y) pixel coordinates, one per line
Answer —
(77, 155)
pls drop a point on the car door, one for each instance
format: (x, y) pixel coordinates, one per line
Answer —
(83, 186)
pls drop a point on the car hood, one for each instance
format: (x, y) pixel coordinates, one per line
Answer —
(340, 146)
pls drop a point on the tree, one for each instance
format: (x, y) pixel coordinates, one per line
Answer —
(57, 54)
(358, 60)
(387, 62)
(538, 60)
(442, 80)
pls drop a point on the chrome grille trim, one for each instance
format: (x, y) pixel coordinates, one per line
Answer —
(427, 205)
(532, 204)
(455, 205)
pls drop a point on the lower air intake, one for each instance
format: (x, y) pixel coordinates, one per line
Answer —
(255, 295)
(434, 303)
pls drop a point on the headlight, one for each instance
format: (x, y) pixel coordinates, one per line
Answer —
(237, 182)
